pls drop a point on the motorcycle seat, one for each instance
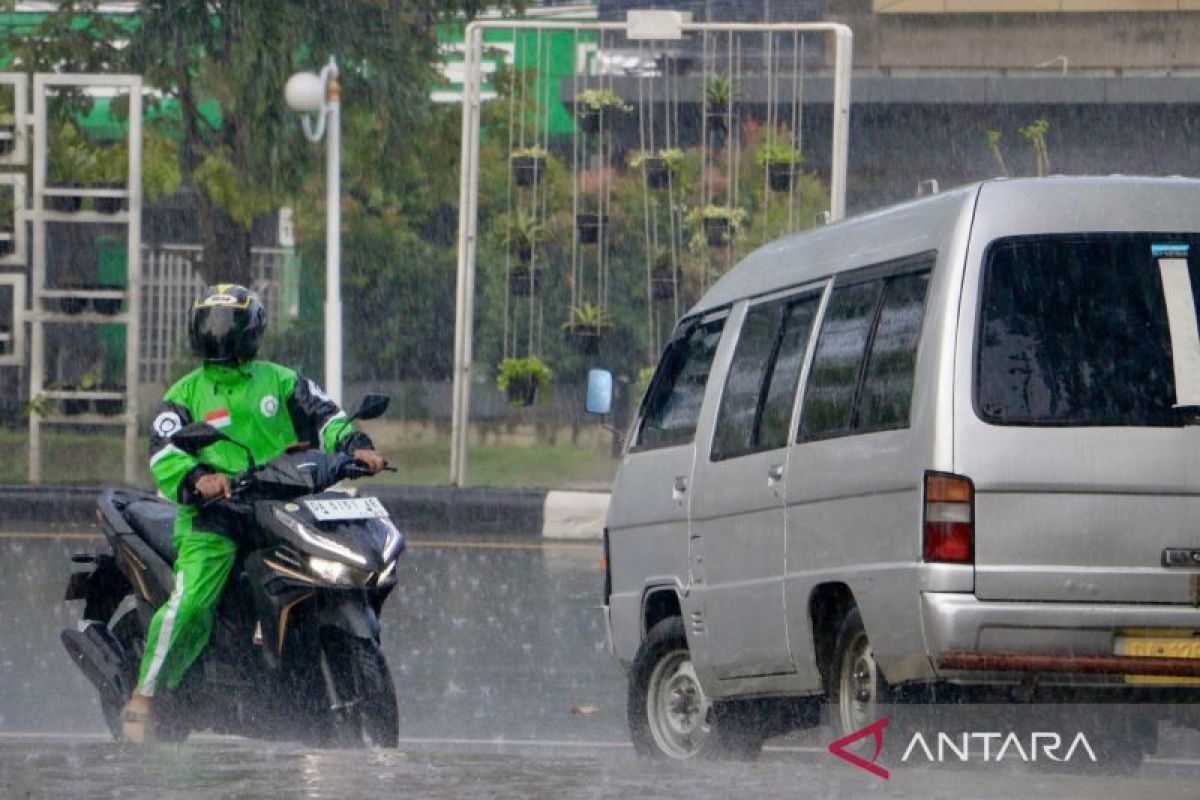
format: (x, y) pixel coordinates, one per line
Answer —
(154, 522)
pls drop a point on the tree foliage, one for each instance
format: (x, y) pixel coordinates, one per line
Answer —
(248, 154)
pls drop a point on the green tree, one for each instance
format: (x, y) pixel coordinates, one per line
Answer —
(248, 155)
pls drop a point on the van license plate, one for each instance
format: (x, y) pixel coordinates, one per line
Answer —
(346, 508)
(1159, 647)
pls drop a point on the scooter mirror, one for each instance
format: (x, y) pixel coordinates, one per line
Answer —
(193, 438)
(371, 406)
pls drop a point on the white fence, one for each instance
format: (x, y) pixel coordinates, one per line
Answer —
(171, 280)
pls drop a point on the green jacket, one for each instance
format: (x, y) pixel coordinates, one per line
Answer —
(264, 406)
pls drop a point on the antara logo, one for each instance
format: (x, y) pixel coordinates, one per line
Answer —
(875, 730)
(987, 747)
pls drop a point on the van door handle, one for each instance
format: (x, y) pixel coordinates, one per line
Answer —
(775, 473)
(681, 484)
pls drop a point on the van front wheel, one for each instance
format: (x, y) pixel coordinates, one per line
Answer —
(669, 714)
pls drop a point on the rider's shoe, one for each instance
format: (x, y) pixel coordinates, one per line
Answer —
(137, 720)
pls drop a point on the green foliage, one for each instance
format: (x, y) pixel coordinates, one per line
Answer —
(720, 90)
(672, 158)
(530, 152)
(594, 100)
(777, 153)
(514, 370)
(588, 316)
(73, 160)
(736, 216)
(218, 178)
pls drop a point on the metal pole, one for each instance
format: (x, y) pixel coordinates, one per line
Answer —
(841, 122)
(333, 237)
(465, 301)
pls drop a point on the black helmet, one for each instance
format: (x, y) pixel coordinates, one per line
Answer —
(226, 324)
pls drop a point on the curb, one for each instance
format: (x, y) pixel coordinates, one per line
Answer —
(507, 513)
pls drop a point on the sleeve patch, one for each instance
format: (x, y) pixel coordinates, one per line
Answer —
(167, 423)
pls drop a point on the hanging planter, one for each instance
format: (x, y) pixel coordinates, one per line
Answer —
(74, 406)
(589, 227)
(68, 203)
(5, 340)
(662, 283)
(107, 305)
(659, 168)
(524, 281)
(585, 326)
(719, 94)
(782, 162)
(525, 232)
(7, 243)
(109, 205)
(521, 378)
(72, 305)
(593, 106)
(721, 223)
(8, 134)
(527, 165)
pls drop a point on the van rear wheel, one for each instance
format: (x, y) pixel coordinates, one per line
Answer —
(857, 690)
(669, 714)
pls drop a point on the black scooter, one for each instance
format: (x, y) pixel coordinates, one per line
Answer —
(294, 651)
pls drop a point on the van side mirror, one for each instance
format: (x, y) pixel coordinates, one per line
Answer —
(371, 406)
(599, 392)
(193, 438)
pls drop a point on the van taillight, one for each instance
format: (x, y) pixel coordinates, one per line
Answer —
(949, 522)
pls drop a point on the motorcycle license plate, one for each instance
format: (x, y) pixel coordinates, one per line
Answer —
(329, 510)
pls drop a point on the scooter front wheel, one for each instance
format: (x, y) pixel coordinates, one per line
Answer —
(362, 698)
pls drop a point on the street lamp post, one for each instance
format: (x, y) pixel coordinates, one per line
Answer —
(321, 94)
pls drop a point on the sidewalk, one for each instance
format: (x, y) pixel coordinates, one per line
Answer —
(507, 513)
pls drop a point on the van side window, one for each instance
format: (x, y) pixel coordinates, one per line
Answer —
(887, 388)
(862, 373)
(677, 391)
(756, 406)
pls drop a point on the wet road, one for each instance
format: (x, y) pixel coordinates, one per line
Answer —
(505, 689)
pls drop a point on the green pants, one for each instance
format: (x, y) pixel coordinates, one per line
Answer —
(180, 629)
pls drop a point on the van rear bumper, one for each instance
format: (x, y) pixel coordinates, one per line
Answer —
(970, 640)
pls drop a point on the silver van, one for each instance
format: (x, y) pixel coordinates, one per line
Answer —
(949, 445)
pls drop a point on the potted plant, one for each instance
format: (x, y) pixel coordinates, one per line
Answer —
(659, 167)
(112, 170)
(719, 94)
(720, 223)
(586, 324)
(521, 378)
(8, 221)
(8, 133)
(525, 233)
(524, 281)
(109, 407)
(780, 161)
(72, 163)
(662, 277)
(107, 305)
(527, 165)
(592, 105)
(73, 406)
(589, 227)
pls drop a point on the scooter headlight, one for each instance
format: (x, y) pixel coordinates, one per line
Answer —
(315, 539)
(335, 572)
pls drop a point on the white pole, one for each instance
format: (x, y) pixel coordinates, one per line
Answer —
(841, 122)
(467, 210)
(333, 238)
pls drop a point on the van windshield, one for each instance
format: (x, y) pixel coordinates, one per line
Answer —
(1074, 329)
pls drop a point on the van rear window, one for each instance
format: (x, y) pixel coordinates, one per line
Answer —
(1074, 331)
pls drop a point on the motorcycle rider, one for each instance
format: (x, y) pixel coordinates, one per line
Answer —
(264, 406)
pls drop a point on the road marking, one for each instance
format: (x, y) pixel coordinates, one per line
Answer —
(448, 544)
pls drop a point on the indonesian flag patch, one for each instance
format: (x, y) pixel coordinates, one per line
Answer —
(219, 418)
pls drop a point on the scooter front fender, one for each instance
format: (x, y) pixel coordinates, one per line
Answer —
(350, 612)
